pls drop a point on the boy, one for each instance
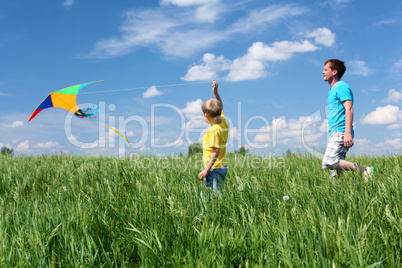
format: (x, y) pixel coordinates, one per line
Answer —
(340, 120)
(214, 143)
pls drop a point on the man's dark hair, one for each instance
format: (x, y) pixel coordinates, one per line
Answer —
(338, 65)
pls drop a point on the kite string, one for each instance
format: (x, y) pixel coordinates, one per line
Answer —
(137, 88)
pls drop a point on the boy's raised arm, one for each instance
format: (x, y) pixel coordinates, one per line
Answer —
(215, 89)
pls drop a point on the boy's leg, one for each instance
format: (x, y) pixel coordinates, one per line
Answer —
(208, 181)
(216, 179)
(220, 178)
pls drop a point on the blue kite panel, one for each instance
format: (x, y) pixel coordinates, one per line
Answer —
(46, 103)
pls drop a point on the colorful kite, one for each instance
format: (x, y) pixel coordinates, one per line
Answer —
(66, 99)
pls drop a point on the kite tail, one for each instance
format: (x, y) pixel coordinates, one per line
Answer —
(89, 113)
(121, 135)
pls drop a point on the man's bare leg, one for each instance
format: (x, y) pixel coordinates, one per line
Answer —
(345, 165)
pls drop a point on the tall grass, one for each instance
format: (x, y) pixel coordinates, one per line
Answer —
(64, 211)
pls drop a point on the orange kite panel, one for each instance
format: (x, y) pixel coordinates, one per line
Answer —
(65, 101)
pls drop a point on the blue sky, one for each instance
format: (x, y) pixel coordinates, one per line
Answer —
(158, 59)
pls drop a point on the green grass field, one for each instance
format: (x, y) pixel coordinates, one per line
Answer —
(70, 211)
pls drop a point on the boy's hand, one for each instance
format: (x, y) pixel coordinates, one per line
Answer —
(202, 175)
(215, 89)
(215, 86)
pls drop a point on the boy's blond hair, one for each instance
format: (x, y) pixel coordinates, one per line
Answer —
(212, 107)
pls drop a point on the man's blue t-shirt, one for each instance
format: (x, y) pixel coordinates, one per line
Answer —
(336, 112)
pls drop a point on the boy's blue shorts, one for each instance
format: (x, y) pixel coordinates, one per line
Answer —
(216, 178)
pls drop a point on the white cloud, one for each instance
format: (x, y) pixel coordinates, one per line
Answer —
(207, 10)
(233, 134)
(144, 148)
(175, 32)
(397, 134)
(324, 126)
(322, 36)
(263, 135)
(17, 124)
(112, 133)
(130, 134)
(184, 3)
(337, 4)
(395, 143)
(282, 50)
(397, 67)
(383, 115)
(156, 141)
(140, 29)
(193, 108)
(196, 122)
(107, 139)
(208, 69)
(178, 143)
(259, 18)
(47, 144)
(202, 134)
(342, 1)
(386, 22)
(23, 146)
(68, 3)
(361, 142)
(151, 92)
(207, 13)
(358, 67)
(254, 64)
(187, 43)
(7, 145)
(302, 132)
(393, 96)
(394, 126)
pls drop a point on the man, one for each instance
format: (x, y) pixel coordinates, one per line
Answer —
(340, 121)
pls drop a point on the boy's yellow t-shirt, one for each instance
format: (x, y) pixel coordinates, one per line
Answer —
(216, 137)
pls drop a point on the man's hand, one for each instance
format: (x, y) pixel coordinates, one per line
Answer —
(202, 175)
(348, 140)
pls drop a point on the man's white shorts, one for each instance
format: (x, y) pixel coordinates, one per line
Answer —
(336, 150)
